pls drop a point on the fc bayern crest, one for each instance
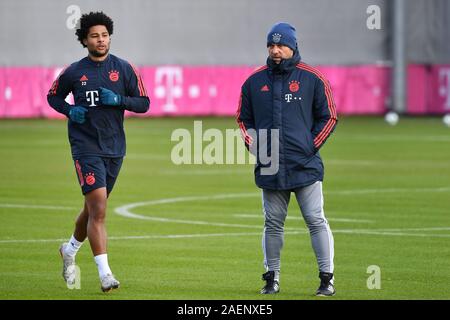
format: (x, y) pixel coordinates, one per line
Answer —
(276, 37)
(114, 75)
(90, 178)
(294, 86)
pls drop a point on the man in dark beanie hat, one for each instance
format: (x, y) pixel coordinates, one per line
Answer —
(293, 101)
(282, 34)
(282, 45)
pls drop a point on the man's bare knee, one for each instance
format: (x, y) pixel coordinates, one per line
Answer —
(83, 217)
(97, 211)
(96, 205)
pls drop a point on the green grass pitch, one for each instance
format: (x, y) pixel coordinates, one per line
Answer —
(387, 197)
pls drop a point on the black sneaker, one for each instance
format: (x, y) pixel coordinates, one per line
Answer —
(272, 286)
(326, 288)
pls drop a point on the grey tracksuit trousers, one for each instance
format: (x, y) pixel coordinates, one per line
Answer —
(310, 200)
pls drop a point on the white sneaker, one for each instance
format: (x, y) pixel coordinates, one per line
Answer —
(69, 270)
(109, 283)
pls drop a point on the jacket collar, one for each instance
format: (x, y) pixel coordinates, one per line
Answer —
(286, 65)
(98, 63)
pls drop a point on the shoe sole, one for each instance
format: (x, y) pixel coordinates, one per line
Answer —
(106, 290)
(325, 295)
(62, 257)
(262, 292)
(270, 292)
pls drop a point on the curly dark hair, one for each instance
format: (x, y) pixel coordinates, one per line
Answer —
(91, 19)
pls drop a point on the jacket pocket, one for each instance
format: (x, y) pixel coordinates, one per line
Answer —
(311, 147)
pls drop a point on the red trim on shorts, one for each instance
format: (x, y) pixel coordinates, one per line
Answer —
(80, 174)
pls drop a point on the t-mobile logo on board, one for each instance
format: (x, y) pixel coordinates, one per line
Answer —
(444, 86)
(169, 85)
(92, 97)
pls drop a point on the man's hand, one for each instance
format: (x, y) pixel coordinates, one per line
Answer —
(77, 114)
(109, 98)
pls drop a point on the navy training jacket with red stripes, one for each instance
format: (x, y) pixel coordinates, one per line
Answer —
(102, 133)
(296, 99)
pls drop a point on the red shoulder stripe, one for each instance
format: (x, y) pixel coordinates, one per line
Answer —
(247, 138)
(325, 132)
(55, 84)
(259, 69)
(142, 91)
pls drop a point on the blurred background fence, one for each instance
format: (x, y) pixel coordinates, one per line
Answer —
(194, 55)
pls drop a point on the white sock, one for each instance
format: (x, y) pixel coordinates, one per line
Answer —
(102, 264)
(73, 247)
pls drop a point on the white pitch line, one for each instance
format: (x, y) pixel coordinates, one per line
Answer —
(387, 190)
(386, 233)
(225, 196)
(418, 229)
(205, 172)
(134, 156)
(403, 163)
(31, 206)
(392, 138)
(30, 240)
(352, 162)
(255, 216)
(193, 222)
(126, 210)
(168, 236)
(236, 234)
(197, 235)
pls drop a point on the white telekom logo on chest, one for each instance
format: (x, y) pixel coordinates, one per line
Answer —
(92, 97)
(288, 97)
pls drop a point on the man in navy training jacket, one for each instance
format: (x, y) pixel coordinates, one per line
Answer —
(295, 100)
(103, 87)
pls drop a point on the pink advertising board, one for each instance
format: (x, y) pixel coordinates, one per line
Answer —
(214, 90)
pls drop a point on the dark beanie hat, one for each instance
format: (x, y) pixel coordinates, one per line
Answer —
(282, 33)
